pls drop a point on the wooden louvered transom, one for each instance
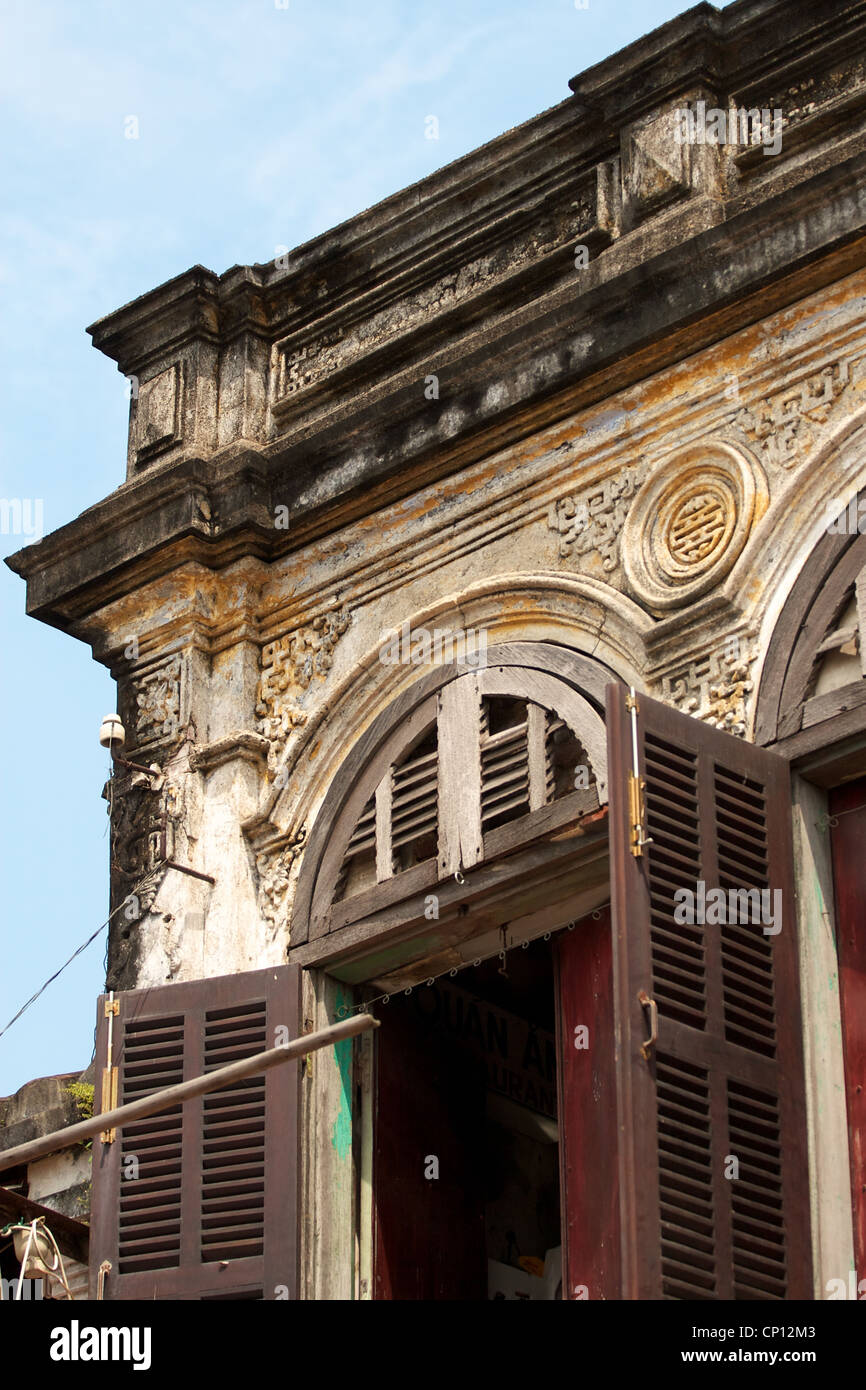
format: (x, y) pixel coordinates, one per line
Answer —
(415, 805)
(504, 761)
(521, 757)
(150, 1193)
(233, 1138)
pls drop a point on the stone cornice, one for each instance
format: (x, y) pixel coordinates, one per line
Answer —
(558, 357)
(533, 341)
(366, 257)
(180, 311)
(754, 41)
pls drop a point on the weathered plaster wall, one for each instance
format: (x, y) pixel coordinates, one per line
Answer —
(251, 684)
(60, 1181)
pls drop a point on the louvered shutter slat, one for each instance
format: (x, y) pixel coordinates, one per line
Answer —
(504, 773)
(725, 1079)
(415, 799)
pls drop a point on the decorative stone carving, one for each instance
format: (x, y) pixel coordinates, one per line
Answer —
(274, 866)
(156, 414)
(715, 687)
(801, 99)
(141, 840)
(288, 667)
(787, 426)
(303, 365)
(303, 361)
(689, 523)
(593, 520)
(152, 703)
(655, 164)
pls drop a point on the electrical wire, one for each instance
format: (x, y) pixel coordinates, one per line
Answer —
(52, 978)
(35, 1229)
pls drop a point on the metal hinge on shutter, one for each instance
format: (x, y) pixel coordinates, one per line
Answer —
(636, 785)
(109, 1073)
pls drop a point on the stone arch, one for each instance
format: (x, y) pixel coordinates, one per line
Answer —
(569, 612)
(795, 521)
(807, 632)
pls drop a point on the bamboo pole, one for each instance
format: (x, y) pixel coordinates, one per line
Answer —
(185, 1090)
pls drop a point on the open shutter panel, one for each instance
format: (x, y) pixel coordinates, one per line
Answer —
(724, 1081)
(200, 1202)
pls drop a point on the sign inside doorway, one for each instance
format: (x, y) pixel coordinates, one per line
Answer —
(520, 1059)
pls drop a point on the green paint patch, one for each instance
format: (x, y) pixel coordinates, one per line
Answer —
(341, 1131)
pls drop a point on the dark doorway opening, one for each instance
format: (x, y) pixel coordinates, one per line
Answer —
(466, 1140)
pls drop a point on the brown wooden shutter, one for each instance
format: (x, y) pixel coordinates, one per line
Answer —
(725, 1077)
(209, 1209)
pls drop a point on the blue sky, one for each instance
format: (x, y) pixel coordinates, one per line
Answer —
(258, 127)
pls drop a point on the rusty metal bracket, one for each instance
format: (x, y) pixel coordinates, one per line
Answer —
(109, 1100)
(109, 1072)
(636, 785)
(153, 771)
(185, 869)
(168, 863)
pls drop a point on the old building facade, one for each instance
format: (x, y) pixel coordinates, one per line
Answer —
(484, 575)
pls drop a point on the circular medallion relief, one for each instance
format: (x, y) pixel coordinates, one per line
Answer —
(689, 523)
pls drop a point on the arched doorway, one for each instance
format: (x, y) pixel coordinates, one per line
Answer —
(448, 862)
(459, 833)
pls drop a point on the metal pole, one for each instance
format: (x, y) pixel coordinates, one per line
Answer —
(185, 1090)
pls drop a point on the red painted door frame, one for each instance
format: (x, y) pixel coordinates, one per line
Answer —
(847, 806)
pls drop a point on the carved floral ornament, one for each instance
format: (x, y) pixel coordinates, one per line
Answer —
(689, 523)
(152, 702)
(274, 866)
(592, 520)
(289, 665)
(786, 426)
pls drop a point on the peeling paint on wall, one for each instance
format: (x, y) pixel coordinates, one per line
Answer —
(341, 1131)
